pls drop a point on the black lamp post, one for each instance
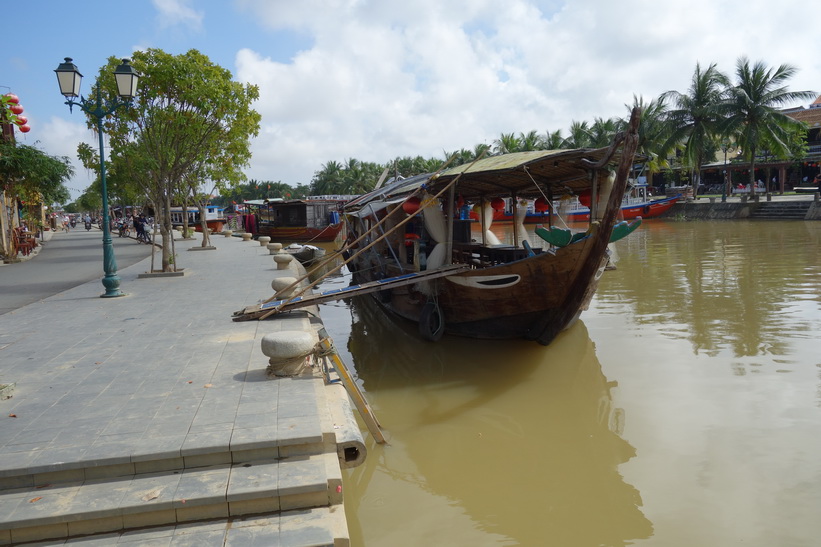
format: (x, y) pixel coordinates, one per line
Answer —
(69, 79)
(725, 145)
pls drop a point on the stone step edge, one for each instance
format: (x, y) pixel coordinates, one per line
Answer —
(137, 464)
(300, 528)
(224, 491)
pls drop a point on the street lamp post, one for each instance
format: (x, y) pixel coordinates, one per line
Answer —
(69, 79)
(725, 145)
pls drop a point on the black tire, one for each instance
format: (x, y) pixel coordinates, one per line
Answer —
(431, 323)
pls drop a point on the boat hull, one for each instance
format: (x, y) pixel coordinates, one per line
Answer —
(284, 234)
(526, 298)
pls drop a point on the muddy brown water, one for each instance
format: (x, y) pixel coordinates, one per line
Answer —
(683, 409)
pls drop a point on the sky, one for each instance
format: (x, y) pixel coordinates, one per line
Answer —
(376, 80)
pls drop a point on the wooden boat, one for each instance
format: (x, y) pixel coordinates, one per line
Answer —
(316, 218)
(407, 248)
(214, 218)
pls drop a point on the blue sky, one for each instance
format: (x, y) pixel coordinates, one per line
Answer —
(376, 79)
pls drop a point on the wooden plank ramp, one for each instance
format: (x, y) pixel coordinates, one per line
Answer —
(254, 312)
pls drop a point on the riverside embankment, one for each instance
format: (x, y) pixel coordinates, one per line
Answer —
(152, 417)
(786, 207)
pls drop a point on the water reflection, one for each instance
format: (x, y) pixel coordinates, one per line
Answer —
(500, 443)
(750, 287)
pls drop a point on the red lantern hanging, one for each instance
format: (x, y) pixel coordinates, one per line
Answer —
(12, 98)
(16, 109)
(21, 120)
(24, 128)
(498, 204)
(540, 205)
(584, 198)
(411, 205)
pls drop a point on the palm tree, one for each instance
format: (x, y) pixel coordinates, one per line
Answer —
(695, 119)
(751, 110)
(602, 131)
(529, 141)
(579, 135)
(506, 143)
(653, 132)
(553, 141)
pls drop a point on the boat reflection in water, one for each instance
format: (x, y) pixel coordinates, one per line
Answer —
(491, 442)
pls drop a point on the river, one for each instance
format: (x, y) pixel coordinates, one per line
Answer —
(683, 409)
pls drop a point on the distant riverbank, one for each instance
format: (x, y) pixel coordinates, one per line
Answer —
(784, 207)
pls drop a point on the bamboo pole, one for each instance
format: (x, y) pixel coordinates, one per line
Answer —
(371, 244)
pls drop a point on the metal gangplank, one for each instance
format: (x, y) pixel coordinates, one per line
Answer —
(287, 304)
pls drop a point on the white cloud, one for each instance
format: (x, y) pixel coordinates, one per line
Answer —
(177, 12)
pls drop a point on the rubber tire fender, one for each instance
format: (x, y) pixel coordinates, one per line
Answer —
(431, 323)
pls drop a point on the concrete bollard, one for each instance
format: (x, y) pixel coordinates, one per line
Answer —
(264, 240)
(246, 236)
(281, 283)
(228, 233)
(287, 352)
(283, 260)
(274, 248)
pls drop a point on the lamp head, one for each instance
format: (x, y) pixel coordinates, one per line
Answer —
(69, 78)
(127, 79)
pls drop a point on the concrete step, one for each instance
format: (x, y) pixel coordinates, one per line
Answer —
(292, 425)
(321, 526)
(217, 492)
(782, 210)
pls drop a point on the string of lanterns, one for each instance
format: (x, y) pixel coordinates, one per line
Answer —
(17, 109)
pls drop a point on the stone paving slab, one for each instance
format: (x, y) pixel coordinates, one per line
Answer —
(117, 380)
(158, 380)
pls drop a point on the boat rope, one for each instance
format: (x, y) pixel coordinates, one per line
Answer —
(539, 188)
(423, 205)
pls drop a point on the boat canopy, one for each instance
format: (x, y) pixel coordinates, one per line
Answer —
(528, 174)
(524, 174)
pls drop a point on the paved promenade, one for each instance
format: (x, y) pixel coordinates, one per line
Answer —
(154, 410)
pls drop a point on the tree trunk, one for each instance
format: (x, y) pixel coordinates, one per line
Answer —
(206, 237)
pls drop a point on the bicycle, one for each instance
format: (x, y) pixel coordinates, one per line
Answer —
(124, 230)
(143, 237)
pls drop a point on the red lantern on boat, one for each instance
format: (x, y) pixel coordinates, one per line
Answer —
(12, 98)
(16, 109)
(21, 120)
(540, 205)
(584, 198)
(25, 128)
(498, 204)
(411, 205)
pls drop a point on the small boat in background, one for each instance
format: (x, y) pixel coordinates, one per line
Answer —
(214, 218)
(636, 203)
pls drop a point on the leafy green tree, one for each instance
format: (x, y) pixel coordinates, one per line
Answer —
(751, 112)
(189, 119)
(695, 119)
(32, 175)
